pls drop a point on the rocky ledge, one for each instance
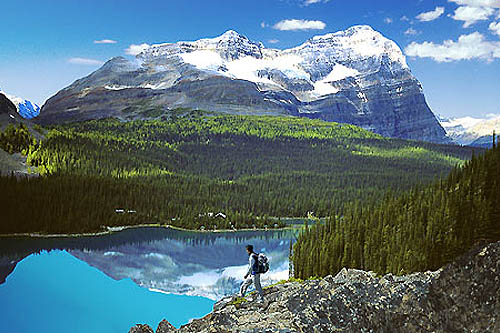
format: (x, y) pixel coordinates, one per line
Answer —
(463, 296)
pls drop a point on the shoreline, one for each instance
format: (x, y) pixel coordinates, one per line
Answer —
(112, 230)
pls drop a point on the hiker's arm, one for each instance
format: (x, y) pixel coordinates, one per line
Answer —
(250, 265)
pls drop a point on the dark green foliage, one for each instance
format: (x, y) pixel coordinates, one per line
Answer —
(422, 229)
(16, 139)
(173, 171)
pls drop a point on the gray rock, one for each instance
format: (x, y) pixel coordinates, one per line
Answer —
(165, 327)
(139, 328)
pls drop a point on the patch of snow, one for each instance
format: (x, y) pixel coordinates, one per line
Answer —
(203, 59)
(117, 87)
(246, 68)
(340, 72)
(160, 85)
(323, 87)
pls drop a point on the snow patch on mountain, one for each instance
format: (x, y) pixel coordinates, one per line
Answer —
(203, 59)
(466, 130)
(321, 60)
(339, 72)
(117, 87)
(247, 68)
(25, 108)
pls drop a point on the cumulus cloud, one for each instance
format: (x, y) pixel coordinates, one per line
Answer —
(105, 41)
(471, 46)
(495, 28)
(478, 3)
(273, 41)
(85, 61)
(295, 25)
(471, 15)
(411, 32)
(404, 18)
(432, 15)
(387, 20)
(263, 24)
(135, 49)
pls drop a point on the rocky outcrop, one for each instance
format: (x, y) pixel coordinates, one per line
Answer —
(355, 76)
(8, 112)
(461, 297)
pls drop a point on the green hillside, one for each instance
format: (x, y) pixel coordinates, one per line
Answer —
(174, 171)
(419, 230)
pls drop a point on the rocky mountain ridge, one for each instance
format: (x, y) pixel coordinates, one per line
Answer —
(463, 296)
(355, 76)
(25, 108)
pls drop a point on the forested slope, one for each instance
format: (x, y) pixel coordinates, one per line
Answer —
(174, 171)
(422, 229)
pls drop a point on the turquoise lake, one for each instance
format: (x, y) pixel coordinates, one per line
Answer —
(110, 283)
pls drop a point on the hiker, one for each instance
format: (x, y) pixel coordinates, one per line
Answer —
(252, 275)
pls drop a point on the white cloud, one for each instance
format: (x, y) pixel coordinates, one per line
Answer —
(471, 15)
(105, 41)
(294, 25)
(411, 32)
(495, 27)
(273, 41)
(311, 2)
(404, 18)
(432, 15)
(263, 24)
(471, 46)
(135, 49)
(387, 20)
(478, 3)
(85, 61)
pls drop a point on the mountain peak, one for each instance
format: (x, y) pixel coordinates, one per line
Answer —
(25, 108)
(357, 43)
(230, 34)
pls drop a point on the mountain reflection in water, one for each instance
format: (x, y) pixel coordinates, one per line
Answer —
(164, 259)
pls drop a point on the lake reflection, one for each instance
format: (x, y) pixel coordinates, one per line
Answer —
(167, 260)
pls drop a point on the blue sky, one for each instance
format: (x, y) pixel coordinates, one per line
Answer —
(453, 46)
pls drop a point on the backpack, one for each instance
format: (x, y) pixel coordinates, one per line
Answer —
(263, 263)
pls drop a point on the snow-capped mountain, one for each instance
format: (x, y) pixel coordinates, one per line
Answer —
(471, 131)
(354, 76)
(25, 108)
(313, 67)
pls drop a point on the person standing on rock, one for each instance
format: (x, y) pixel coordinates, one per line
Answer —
(252, 275)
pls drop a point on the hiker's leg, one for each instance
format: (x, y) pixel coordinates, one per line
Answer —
(245, 285)
(258, 287)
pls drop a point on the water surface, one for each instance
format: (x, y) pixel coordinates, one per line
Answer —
(108, 283)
